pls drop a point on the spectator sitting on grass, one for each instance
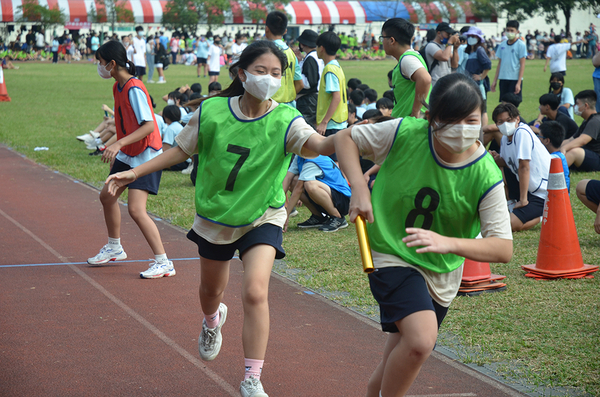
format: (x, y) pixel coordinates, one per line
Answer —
(353, 84)
(371, 98)
(583, 149)
(323, 190)
(214, 88)
(172, 115)
(552, 135)
(357, 98)
(588, 191)
(385, 106)
(549, 112)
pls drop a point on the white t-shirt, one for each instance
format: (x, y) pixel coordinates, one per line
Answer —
(558, 56)
(214, 61)
(526, 146)
(39, 40)
(374, 142)
(139, 52)
(187, 140)
(130, 53)
(410, 65)
(236, 51)
(442, 68)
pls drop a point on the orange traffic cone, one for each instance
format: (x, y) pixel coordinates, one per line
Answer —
(559, 254)
(477, 278)
(3, 93)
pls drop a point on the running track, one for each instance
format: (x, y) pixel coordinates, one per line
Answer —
(68, 329)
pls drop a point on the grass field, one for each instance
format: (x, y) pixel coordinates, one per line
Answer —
(539, 333)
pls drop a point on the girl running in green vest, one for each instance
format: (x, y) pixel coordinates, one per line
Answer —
(436, 190)
(244, 142)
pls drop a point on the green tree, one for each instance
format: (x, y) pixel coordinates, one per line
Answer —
(180, 15)
(112, 11)
(259, 9)
(45, 16)
(524, 9)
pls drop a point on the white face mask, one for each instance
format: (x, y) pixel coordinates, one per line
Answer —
(261, 87)
(105, 74)
(508, 128)
(511, 36)
(472, 40)
(170, 102)
(458, 137)
(577, 111)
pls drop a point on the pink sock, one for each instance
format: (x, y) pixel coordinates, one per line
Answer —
(213, 320)
(253, 368)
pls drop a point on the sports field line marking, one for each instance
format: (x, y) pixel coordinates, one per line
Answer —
(85, 263)
(444, 395)
(149, 326)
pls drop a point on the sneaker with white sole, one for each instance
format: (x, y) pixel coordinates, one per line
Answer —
(189, 169)
(210, 339)
(313, 221)
(334, 224)
(108, 254)
(252, 388)
(159, 269)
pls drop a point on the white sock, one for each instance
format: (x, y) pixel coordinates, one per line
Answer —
(161, 258)
(98, 141)
(116, 242)
(380, 393)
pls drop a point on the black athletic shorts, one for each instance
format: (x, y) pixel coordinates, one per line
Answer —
(592, 191)
(400, 292)
(267, 233)
(340, 201)
(149, 183)
(591, 162)
(534, 209)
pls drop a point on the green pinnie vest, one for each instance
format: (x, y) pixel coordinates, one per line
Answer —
(404, 89)
(414, 190)
(241, 163)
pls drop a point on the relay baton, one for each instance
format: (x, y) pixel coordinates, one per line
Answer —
(363, 244)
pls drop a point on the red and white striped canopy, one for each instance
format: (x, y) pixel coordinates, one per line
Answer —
(301, 12)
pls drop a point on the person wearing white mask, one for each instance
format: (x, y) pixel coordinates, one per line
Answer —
(511, 54)
(437, 189)
(523, 154)
(244, 140)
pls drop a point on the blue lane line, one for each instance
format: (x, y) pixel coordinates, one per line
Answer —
(109, 263)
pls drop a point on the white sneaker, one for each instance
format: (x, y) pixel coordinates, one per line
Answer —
(151, 81)
(94, 134)
(252, 388)
(108, 254)
(86, 138)
(188, 170)
(209, 341)
(161, 81)
(91, 146)
(159, 269)
(294, 213)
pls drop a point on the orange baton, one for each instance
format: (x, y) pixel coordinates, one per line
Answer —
(363, 244)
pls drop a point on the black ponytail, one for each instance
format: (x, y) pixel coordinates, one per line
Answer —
(114, 51)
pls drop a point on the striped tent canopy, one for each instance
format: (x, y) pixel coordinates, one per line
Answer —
(301, 12)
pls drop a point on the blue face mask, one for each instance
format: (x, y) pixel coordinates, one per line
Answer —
(444, 41)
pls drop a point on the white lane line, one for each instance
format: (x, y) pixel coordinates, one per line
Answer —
(161, 335)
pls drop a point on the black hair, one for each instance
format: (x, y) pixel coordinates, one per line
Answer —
(195, 95)
(138, 28)
(114, 51)
(363, 87)
(176, 96)
(351, 108)
(354, 83)
(152, 101)
(196, 88)
(371, 95)
(509, 108)
(330, 42)
(512, 98)
(400, 29)
(389, 94)
(587, 96)
(385, 103)
(554, 131)
(172, 113)
(277, 23)
(214, 86)
(557, 38)
(357, 97)
(512, 24)
(453, 98)
(464, 29)
(430, 36)
(559, 77)
(550, 99)
(390, 73)
(369, 114)
(247, 58)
